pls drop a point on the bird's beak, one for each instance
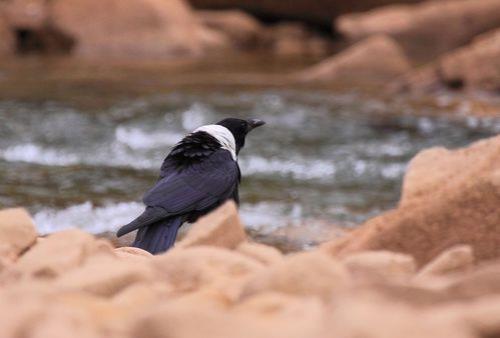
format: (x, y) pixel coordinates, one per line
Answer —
(254, 123)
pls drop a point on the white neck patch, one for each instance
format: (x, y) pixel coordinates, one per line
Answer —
(223, 135)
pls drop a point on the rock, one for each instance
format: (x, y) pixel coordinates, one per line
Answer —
(104, 275)
(483, 281)
(440, 207)
(110, 319)
(263, 253)
(17, 233)
(456, 259)
(293, 316)
(475, 66)
(376, 59)
(221, 228)
(376, 317)
(118, 242)
(192, 269)
(303, 274)
(26, 14)
(62, 322)
(380, 265)
(186, 317)
(31, 312)
(30, 23)
(243, 30)
(140, 295)
(294, 39)
(7, 45)
(298, 236)
(317, 12)
(482, 315)
(130, 253)
(60, 252)
(137, 28)
(415, 26)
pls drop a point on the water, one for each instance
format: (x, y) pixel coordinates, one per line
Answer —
(323, 158)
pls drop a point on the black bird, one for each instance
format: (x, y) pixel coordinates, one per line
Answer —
(199, 174)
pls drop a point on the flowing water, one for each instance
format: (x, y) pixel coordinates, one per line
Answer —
(323, 158)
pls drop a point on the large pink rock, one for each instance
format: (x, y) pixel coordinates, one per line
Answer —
(474, 66)
(17, 232)
(136, 28)
(222, 227)
(303, 274)
(190, 316)
(440, 207)
(203, 267)
(59, 253)
(243, 30)
(7, 44)
(105, 275)
(456, 259)
(148, 29)
(26, 14)
(376, 59)
(428, 29)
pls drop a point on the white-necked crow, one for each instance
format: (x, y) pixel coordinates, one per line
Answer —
(199, 174)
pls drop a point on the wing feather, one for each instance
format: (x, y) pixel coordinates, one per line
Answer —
(197, 186)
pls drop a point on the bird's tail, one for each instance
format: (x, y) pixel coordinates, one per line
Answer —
(158, 237)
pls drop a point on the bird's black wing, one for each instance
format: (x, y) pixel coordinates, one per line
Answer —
(194, 188)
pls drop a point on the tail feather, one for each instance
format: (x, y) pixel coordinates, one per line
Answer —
(158, 237)
(149, 216)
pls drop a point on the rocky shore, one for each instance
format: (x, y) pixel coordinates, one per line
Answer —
(429, 268)
(405, 45)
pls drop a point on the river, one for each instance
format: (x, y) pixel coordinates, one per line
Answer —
(81, 151)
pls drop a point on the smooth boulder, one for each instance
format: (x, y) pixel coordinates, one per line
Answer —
(380, 265)
(425, 30)
(472, 67)
(7, 45)
(244, 31)
(374, 60)
(440, 207)
(59, 253)
(222, 228)
(17, 233)
(265, 254)
(458, 258)
(206, 268)
(105, 275)
(303, 274)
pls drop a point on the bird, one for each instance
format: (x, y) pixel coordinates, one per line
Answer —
(199, 174)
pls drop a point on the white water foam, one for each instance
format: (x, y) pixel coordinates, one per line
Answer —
(137, 138)
(33, 153)
(267, 217)
(85, 216)
(195, 116)
(262, 216)
(119, 156)
(299, 168)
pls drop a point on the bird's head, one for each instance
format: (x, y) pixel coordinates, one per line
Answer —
(240, 128)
